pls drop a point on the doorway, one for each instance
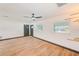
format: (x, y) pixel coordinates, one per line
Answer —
(28, 30)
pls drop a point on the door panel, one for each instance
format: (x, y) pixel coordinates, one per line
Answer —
(26, 30)
(31, 30)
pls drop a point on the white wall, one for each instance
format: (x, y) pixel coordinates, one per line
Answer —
(10, 29)
(48, 29)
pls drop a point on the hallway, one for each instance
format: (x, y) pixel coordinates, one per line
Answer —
(30, 46)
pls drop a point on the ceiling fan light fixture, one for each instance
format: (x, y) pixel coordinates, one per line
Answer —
(33, 18)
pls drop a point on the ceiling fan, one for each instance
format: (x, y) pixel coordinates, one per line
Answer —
(33, 17)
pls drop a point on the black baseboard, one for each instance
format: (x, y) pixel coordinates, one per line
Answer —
(58, 45)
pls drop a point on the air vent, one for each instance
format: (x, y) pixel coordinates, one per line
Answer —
(61, 4)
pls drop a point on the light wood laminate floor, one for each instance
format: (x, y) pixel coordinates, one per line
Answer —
(29, 46)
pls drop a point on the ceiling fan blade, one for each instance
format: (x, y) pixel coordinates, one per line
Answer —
(5, 16)
(27, 17)
(39, 17)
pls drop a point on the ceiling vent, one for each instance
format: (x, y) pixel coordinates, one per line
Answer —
(61, 4)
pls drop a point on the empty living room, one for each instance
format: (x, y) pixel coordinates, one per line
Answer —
(39, 29)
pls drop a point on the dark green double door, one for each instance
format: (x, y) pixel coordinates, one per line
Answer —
(28, 30)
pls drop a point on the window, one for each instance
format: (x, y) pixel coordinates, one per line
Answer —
(61, 27)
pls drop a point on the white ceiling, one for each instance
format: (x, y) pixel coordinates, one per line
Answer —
(28, 8)
(45, 10)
